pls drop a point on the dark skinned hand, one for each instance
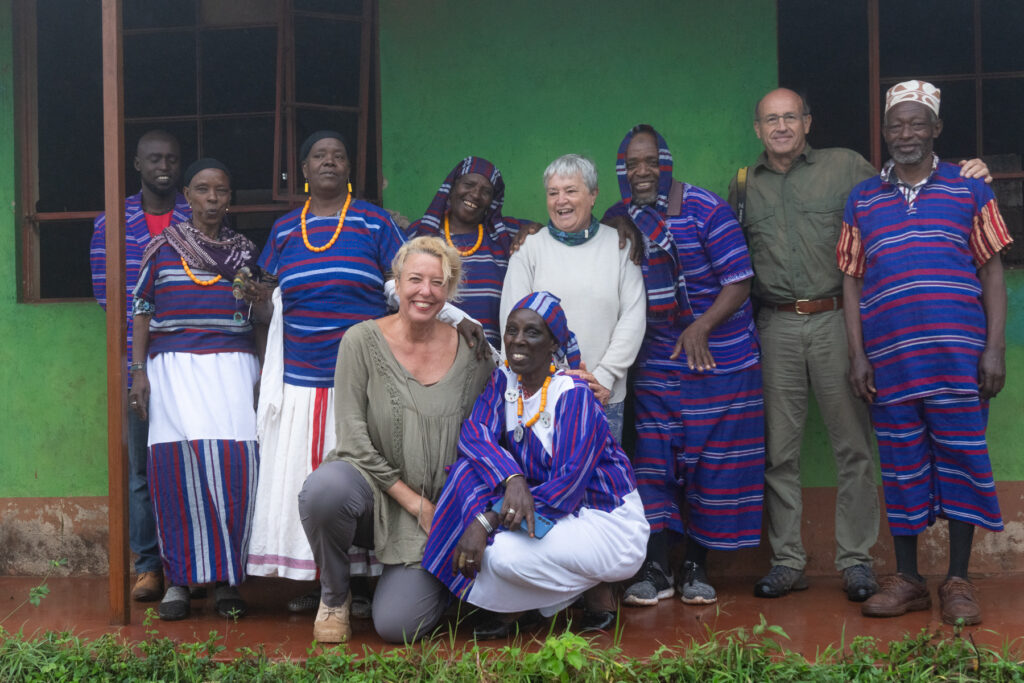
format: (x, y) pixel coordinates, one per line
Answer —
(694, 340)
(628, 234)
(473, 333)
(862, 378)
(138, 397)
(518, 505)
(525, 230)
(469, 553)
(991, 373)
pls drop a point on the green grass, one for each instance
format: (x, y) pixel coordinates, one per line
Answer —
(758, 653)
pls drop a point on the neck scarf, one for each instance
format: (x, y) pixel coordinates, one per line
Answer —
(663, 283)
(224, 255)
(574, 238)
(433, 220)
(547, 306)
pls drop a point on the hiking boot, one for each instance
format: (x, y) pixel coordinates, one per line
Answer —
(650, 585)
(859, 582)
(148, 586)
(694, 587)
(332, 624)
(958, 601)
(779, 581)
(897, 594)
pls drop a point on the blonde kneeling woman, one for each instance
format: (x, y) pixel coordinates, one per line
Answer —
(403, 386)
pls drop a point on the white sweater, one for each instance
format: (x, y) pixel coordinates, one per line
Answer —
(602, 293)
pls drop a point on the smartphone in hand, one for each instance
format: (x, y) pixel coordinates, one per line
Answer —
(541, 524)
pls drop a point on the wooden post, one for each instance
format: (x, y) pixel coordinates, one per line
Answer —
(113, 203)
(874, 85)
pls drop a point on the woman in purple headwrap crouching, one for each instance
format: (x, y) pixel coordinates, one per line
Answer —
(541, 505)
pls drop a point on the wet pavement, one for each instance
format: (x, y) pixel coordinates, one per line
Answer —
(814, 619)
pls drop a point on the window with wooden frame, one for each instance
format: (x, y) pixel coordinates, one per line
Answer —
(846, 55)
(244, 82)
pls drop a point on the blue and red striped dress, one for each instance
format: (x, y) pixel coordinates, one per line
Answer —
(203, 460)
(572, 463)
(326, 293)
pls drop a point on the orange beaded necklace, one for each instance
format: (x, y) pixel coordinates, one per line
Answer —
(543, 398)
(201, 283)
(448, 238)
(341, 223)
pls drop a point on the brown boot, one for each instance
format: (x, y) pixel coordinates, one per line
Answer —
(149, 586)
(897, 594)
(957, 600)
(332, 623)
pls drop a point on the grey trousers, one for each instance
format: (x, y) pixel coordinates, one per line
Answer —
(801, 352)
(336, 509)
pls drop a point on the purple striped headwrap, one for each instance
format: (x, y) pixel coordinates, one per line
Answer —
(432, 222)
(548, 306)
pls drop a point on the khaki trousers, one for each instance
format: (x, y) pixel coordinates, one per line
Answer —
(798, 353)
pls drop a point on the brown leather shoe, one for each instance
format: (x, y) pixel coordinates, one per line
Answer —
(897, 594)
(149, 586)
(957, 599)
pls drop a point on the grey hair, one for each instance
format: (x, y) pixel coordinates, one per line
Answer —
(570, 165)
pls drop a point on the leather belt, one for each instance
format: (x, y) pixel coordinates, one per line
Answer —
(809, 306)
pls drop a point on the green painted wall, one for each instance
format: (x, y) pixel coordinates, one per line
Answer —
(52, 382)
(570, 76)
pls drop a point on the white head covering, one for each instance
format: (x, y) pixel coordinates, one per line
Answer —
(913, 91)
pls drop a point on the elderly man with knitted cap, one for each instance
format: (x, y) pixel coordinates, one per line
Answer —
(925, 307)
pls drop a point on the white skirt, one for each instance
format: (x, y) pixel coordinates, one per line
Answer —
(278, 545)
(202, 396)
(548, 574)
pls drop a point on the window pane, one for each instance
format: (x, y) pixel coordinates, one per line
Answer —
(239, 70)
(255, 226)
(185, 132)
(64, 259)
(327, 61)
(1003, 106)
(246, 145)
(70, 116)
(921, 37)
(333, 6)
(162, 14)
(160, 74)
(1001, 33)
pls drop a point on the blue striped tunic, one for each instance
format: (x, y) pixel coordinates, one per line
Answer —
(325, 293)
(923, 321)
(189, 318)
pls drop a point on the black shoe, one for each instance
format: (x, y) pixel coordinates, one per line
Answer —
(305, 603)
(597, 621)
(230, 604)
(175, 605)
(780, 581)
(859, 582)
(650, 585)
(492, 626)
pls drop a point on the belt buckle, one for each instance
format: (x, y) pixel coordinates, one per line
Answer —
(796, 307)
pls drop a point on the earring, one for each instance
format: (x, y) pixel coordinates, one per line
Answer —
(306, 187)
(350, 188)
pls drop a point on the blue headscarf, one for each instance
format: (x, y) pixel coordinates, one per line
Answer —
(548, 306)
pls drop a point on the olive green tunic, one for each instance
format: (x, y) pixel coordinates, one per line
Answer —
(391, 427)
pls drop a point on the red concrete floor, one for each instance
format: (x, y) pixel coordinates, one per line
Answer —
(814, 619)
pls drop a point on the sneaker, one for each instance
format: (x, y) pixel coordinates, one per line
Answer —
(148, 586)
(694, 587)
(859, 582)
(649, 586)
(229, 602)
(332, 624)
(176, 605)
(897, 594)
(958, 601)
(779, 581)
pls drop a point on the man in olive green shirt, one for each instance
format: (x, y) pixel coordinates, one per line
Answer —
(792, 214)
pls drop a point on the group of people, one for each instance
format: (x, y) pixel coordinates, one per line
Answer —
(473, 453)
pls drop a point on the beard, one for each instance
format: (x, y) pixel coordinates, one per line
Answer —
(645, 201)
(909, 158)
